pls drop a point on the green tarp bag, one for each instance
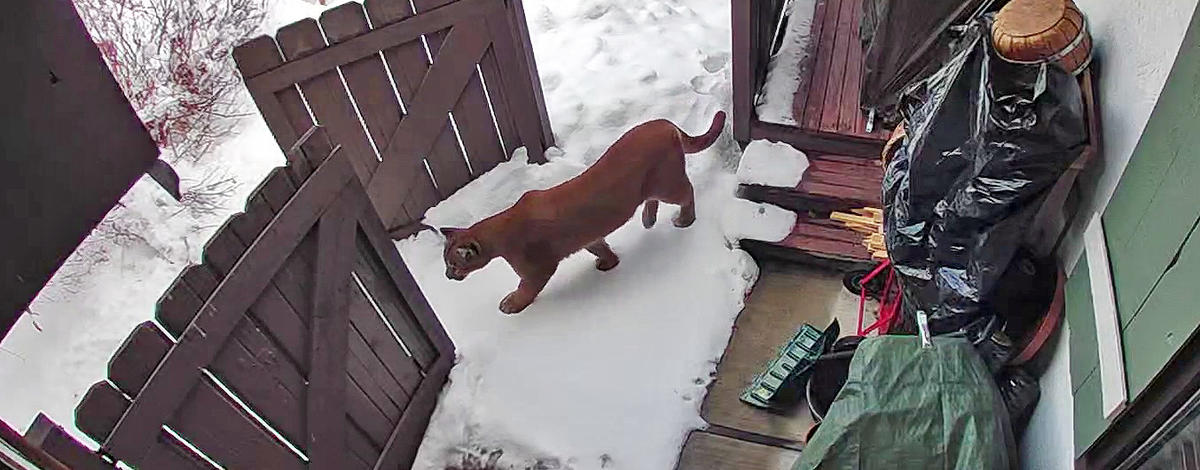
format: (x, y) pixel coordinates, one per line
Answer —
(908, 407)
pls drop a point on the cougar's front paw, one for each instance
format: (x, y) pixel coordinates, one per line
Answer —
(607, 264)
(684, 221)
(513, 303)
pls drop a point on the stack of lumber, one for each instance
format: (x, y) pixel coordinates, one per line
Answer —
(867, 221)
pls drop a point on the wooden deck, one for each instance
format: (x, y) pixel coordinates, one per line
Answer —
(743, 437)
(827, 105)
(828, 101)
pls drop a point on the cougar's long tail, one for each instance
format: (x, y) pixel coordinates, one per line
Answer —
(698, 143)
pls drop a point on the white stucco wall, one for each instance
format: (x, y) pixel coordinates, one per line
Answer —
(1136, 43)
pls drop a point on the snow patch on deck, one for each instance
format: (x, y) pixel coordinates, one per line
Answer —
(772, 164)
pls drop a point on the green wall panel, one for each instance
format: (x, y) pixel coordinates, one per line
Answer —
(1084, 355)
(1157, 201)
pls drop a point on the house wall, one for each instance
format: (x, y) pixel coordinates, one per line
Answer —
(1136, 44)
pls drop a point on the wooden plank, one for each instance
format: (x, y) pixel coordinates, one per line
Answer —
(97, 414)
(476, 128)
(363, 413)
(450, 170)
(201, 341)
(501, 100)
(817, 88)
(137, 357)
(401, 448)
(408, 66)
(380, 38)
(530, 79)
(216, 425)
(391, 302)
(742, 12)
(326, 409)
(222, 251)
(805, 229)
(844, 193)
(427, 112)
(471, 112)
(367, 77)
(328, 99)
(20, 454)
(52, 439)
(177, 307)
(705, 451)
(520, 80)
(801, 96)
(831, 106)
(817, 141)
(389, 262)
(369, 374)
(263, 377)
(290, 329)
(250, 365)
(366, 322)
(1108, 328)
(283, 110)
(850, 114)
(361, 453)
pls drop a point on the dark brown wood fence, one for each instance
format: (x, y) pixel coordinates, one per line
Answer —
(422, 101)
(302, 341)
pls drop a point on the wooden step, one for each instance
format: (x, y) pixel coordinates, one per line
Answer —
(831, 183)
(706, 451)
(816, 241)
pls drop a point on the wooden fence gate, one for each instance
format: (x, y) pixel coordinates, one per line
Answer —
(302, 341)
(422, 101)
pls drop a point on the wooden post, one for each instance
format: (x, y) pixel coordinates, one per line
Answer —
(743, 68)
(48, 436)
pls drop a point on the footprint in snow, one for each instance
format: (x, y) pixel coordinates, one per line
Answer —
(551, 81)
(615, 117)
(596, 11)
(546, 19)
(715, 62)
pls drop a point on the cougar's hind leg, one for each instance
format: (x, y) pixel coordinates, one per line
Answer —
(649, 213)
(684, 196)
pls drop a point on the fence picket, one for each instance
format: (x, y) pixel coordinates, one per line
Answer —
(471, 112)
(328, 99)
(98, 413)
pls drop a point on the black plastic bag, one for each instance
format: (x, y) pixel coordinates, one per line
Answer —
(985, 141)
(905, 41)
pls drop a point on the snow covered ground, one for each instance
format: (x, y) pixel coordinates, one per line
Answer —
(605, 370)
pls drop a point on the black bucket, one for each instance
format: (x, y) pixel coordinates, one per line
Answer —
(829, 374)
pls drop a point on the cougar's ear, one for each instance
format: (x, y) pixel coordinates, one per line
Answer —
(449, 232)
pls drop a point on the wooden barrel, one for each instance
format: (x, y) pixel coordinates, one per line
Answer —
(1039, 31)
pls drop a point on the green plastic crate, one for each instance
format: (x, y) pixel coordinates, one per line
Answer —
(782, 382)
